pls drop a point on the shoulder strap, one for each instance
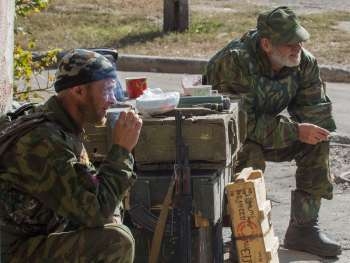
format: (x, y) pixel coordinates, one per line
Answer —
(17, 128)
(22, 110)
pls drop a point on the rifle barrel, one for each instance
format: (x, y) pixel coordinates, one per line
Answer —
(184, 198)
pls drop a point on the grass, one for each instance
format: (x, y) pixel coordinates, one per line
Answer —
(135, 27)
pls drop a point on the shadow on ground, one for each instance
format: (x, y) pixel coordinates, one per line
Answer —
(133, 39)
(289, 256)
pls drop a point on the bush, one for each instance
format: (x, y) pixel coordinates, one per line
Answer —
(27, 70)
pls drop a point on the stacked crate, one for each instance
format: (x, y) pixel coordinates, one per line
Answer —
(250, 218)
(213, 139)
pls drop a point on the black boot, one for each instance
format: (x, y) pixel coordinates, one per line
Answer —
(303, 232)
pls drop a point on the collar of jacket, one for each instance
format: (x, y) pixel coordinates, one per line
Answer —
(61, 116)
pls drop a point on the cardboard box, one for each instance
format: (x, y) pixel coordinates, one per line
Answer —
(250, 215)
(258, 249)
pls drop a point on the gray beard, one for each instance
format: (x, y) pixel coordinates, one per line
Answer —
(282, 61)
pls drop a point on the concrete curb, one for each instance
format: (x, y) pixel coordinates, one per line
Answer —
(335, 74)
(161, 64)
(196, 66)
(180, 65)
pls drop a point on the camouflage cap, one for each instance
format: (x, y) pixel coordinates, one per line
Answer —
(81, 66)
(281, 26)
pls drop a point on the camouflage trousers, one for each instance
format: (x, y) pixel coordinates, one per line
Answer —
(111, 243)
(312, 161)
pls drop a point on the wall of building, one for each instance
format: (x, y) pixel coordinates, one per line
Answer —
(7, 9)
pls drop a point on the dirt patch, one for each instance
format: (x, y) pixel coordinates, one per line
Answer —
(211, 9)
(309, 6)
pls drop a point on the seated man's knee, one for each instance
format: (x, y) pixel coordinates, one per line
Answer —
(314, 155)
(112, 243)
(121, 237)
(250, 155)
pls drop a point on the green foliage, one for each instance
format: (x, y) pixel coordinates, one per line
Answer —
(27, 70)
(23, 7)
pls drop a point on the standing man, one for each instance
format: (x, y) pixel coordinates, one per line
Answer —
(270, 71)
(54, 205)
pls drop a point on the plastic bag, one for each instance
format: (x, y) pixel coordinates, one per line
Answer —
(155, 101)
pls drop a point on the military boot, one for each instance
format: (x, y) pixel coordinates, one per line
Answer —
(303, 232)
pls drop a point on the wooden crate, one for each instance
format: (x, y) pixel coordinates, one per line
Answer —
(207, 191)
(98, 137)
(250, 218)
(95, 141)
(212, 139)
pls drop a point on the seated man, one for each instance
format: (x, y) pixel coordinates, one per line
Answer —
(270, 71)
(55, 206)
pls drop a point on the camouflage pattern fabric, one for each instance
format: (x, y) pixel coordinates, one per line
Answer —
(81, 66)
(304, 208)
(243, 70)
(48, 186)
(281, 25)
(108, 244)
(312, 174)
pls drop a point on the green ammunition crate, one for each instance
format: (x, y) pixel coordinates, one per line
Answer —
(149, 191)
(212, 140)
(208, 186)
(207, 245)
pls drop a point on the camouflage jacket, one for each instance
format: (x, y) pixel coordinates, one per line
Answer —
(242, 69)
(47, 181)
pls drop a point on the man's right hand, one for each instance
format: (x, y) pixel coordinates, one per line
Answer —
(312, 134)
(127, 130)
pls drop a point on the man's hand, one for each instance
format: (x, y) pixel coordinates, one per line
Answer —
(127, 130)
(312, 134)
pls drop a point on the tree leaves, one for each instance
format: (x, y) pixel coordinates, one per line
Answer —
(28, 72)
(24, 7)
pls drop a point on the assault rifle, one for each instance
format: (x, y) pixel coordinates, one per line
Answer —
(183, 194)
